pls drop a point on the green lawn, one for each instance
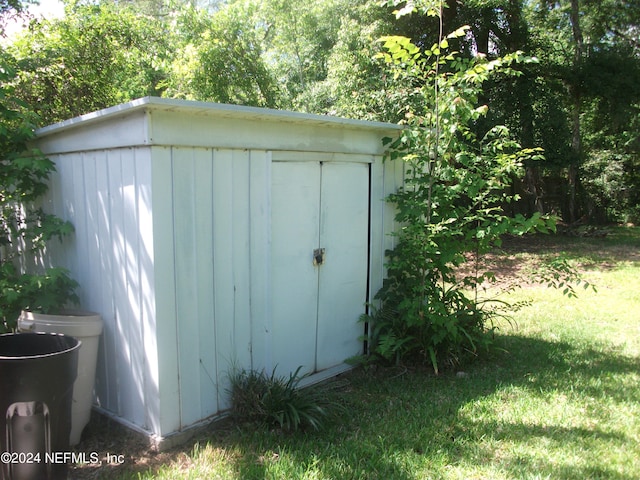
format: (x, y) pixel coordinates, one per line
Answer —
(558, 398)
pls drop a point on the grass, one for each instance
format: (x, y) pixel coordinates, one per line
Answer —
(558, 399)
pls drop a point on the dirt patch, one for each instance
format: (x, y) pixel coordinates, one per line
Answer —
(116, 449)
(519, 260)
(124, 453)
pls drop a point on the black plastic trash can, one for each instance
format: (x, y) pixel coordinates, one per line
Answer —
(37, 371)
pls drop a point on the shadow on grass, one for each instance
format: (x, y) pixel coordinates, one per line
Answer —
(621, 244)
(411, 424)
(554, 437)
(580, 373)
(402, 423)
(414, 420)
(560, 365)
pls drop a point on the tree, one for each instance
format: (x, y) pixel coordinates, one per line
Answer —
(451, 204)
(298, 37)
(220, 58)
(354, 83)
(95, 57)
(589, 48)
(10, 10)
(26, 282)
(580, 102)
(564, 105)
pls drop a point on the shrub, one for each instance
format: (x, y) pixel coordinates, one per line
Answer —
(276, 401)
(25, 229)
(453, 203)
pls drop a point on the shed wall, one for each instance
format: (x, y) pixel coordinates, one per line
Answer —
(212, 285)
(172, 247)
(386, 178)
(107, 195)
(186, 128)
(214, 282)
(177, 299)
(127, 130)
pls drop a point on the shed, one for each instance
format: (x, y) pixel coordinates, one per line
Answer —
(213, 236)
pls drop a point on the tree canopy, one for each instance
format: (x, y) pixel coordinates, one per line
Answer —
(579, 101)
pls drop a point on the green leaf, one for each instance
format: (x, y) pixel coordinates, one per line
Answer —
(460, 32)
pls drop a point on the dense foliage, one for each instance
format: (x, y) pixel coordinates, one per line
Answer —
(25, 229)
(454, 202)
(98, 56)
(580, 102)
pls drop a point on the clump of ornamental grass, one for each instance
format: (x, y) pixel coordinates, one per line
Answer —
(279, 402)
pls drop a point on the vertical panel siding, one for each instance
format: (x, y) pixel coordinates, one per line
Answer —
(241, 254)
(203, 193)
(106, 195)
(223, 266)
(193, 232)
(105, 305)
(126, 278)
(260, 253)
(173, 247)
(376, 239)
(393, 179)
(231, 265)
(212, 203)
(386, 177)
(342, 290)
(295, 218)
(147, 353)
(97, 201)
(168, 396)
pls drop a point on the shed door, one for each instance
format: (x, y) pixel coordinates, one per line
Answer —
(318, 207)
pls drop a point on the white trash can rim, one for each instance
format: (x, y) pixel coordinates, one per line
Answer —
(76, 323)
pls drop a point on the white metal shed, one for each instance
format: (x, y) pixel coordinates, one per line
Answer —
(212, 235)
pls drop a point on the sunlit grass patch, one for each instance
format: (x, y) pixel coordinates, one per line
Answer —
(558, 398)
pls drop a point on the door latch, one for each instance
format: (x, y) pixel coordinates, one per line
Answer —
(318, 257)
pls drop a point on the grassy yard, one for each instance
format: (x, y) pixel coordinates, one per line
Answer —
(558, 398)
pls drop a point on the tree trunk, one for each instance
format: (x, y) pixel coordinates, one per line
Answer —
(533, 188)
(576, 153)
(515, 38)
(576, 110)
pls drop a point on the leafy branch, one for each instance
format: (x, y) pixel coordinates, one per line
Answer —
(453, 202)
(25, 229)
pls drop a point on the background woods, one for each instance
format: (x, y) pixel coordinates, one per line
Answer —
(579, 101)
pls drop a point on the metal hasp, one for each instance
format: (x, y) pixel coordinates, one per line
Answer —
(318, 257)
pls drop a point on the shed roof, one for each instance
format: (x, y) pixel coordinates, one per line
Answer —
(163, 121)
(211, 109)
